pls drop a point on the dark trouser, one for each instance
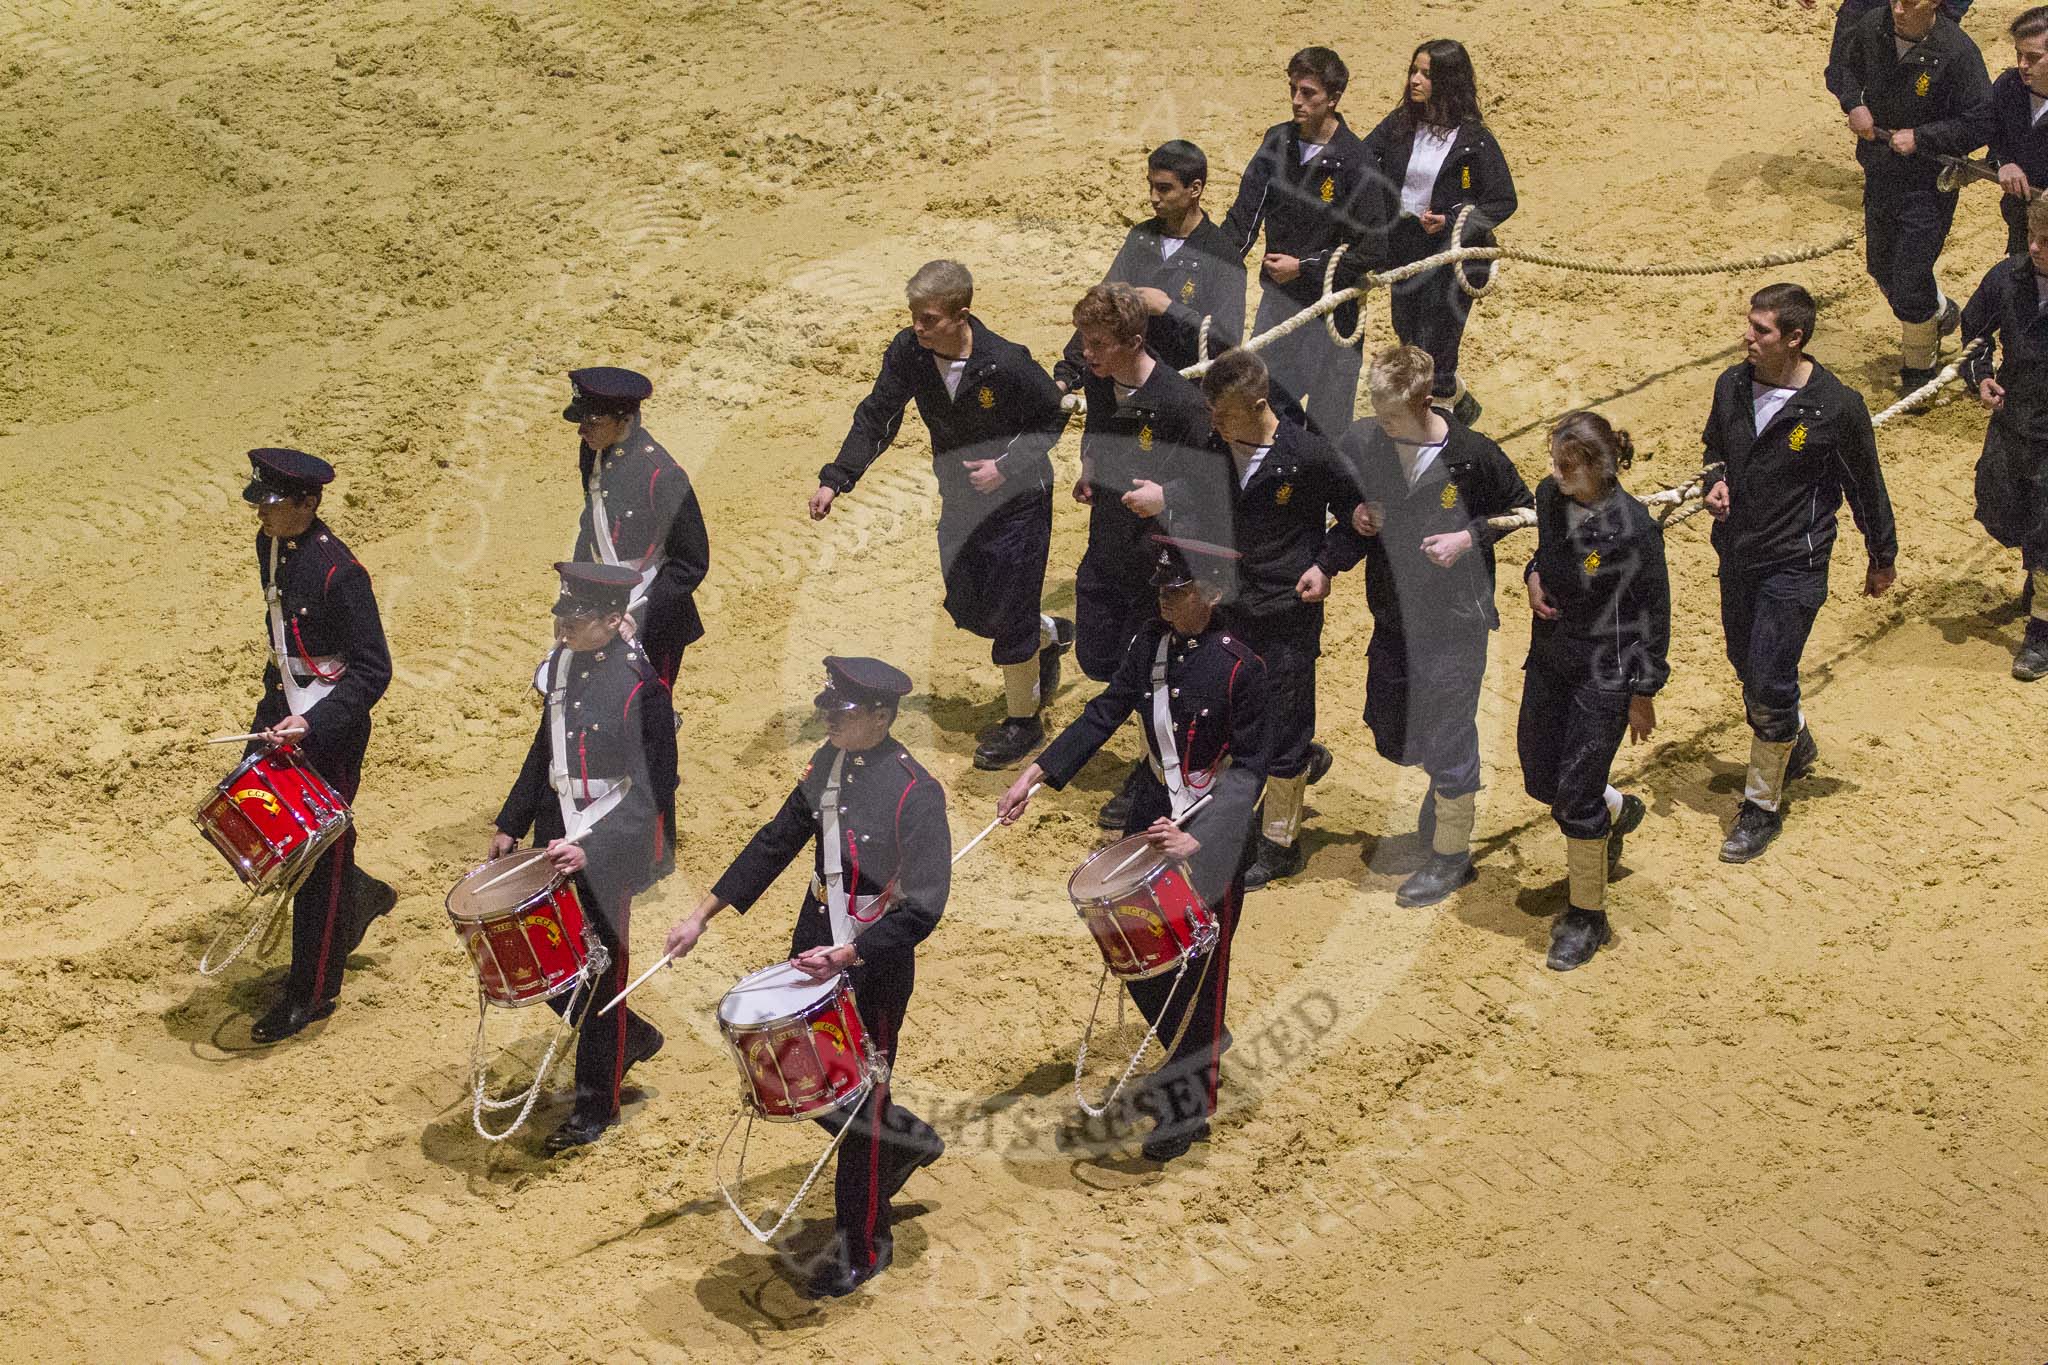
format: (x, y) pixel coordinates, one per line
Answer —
(881, 1135)
(1181, 1094)
(1113, 597)
(1766, 618)
(2014, 211)
(1289, 641)
(1310, 366)
(1903, 233)
(2012, 493)
(1567, 735)
(1429, 309)
(602, 1043)
(993, 557)
(325, 907)
(1422, 701)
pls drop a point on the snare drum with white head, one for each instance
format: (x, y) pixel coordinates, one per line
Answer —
(523, 925)
(798, 1043)
(1142, 908)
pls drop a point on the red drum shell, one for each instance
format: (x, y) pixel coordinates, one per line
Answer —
(800, 1046)
(271, 817)
(1142, 908)
(524, 933)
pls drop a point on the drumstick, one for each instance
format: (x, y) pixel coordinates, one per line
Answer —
(238, 739)
(640, 980)
(991, 828)
(575, 838)
(1175, 822)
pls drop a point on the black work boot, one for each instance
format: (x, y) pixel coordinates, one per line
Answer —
(1912, 377)
(1466, 409)
(1950, 318)
(2027, 595)
(1275, 861)
(1117, 810)
(578, 1130)
(373, 899)
(1805, 753)
(1319, 761)
(1049, 659)
(1166, 1142)
(287, 1017)
(834, 1275)
(1442, 874)
(2031, 663)
(1754, 829)
(1575, 938)
(1005, 745)
(1621, 826)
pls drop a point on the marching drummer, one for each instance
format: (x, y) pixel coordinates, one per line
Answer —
(639, 510)
(602, 762)
(1201, 692)
(328, 666)
(881, 869)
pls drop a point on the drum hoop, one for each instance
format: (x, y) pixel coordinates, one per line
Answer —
(1108, 897)
(528, 855)
(829, 999)
(873, 1068)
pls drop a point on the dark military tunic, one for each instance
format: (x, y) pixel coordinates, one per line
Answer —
(1217, 706)
(1202, 279)
(329, 614)
(1427, 658)
(618, 725)
(992, 546)
(892, 817)
(652, 513)
(1160, 433)
(2012, 472)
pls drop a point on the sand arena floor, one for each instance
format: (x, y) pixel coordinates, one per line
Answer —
(1796, 1111)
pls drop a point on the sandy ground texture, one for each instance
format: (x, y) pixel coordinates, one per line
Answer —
(1795, 1111)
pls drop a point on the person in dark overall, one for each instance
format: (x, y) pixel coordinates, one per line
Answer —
(601, 765)
(1847, 15)
(993, 416)
(1180, 265)
(1438, 153)
(1200, 692)
(328, 666)
(877, 820)
(2009, 312)
(2019, 134)
(639, 510)
(1290, 498)
(1785, 442)
(1146, 468)
(1914, 88)
(1314, 187)
(1426, 486)
(1598, 655)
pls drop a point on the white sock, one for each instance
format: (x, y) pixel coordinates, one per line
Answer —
(1612, 796)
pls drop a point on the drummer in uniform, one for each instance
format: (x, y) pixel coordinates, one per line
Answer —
(601, 765)
(328, 666)
(1201, 691)
(639, 510)
(881, 869)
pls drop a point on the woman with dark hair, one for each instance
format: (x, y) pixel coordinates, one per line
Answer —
(1436, 150)
(1597, 657)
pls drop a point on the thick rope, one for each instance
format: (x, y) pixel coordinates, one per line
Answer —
(740, 1176)
(1187, 1015)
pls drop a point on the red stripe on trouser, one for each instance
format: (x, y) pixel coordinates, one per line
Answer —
(1214, 1071)
(338, 863)
(618, 983)
(881, 1099)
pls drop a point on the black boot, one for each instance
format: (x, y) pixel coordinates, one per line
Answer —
(649, 1044)
(908, 1155)
(288, 1016)
(1466, 409)
(1437, 878)
(1805, 753)
(1621, 826)
(578, 1130)
(2027, 594)
(1319, 761)
(1911, 377)
(372, 900)
(834, 1274)
(1117, 809)
(1576, 937)
(1275, 861)
(1165, 1143)
(1754, 829)
(1005, 745)
(1049, 659)
(2031, 663)
(1951, 317)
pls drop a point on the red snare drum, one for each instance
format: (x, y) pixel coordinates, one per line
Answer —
(1142, 908)
(272, 817)
(522, 923)
(798, 1043)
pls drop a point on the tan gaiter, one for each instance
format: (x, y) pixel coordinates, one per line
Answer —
(1020, 689)
(1454, 816)
(1283, 808)
(1916, 344)
(1766, 786)
(1585, 862)
(2040, 581)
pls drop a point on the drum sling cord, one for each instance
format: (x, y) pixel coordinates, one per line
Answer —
(1187, 1017)
(262, 924)
(878, 1077)
(525, 1100)
(601, 537)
